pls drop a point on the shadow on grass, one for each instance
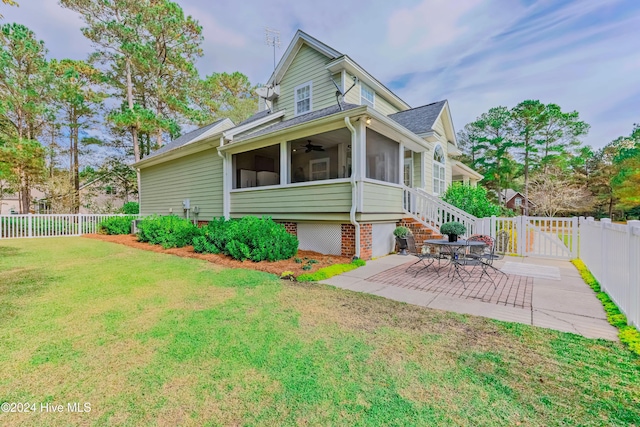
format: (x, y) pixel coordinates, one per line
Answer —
(6, 251)
(19, 283)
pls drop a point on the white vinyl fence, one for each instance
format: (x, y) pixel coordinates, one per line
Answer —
(533, 236)
(612, 253)
(51, 225)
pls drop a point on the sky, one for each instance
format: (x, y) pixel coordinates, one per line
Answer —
(583, 55)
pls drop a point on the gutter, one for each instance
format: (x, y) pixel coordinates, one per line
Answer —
(354, 186)
(225, 184)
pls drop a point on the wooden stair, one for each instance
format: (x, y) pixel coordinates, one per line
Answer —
(420, 232)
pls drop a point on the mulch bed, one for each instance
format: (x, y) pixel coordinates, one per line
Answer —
(276, 267)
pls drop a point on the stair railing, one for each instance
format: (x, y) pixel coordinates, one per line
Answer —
(432, 212)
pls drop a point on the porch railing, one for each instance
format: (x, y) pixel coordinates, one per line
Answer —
(432, 212)
(51, 225)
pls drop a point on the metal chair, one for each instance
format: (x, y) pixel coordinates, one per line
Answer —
(473, 256)
(431, 254)
(497, 251)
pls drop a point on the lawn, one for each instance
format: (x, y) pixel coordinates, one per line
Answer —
(153, 339)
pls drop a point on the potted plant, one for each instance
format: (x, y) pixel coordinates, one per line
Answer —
(453, 229)
(401, 234)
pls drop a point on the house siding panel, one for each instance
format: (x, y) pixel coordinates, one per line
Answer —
(417, 170)
(308, 65)
(314, 199)
(197, 177)
(380, 198)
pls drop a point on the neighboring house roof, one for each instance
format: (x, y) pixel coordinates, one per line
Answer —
(509, 194)
(186, 138)
(298, 120)
(420, 120)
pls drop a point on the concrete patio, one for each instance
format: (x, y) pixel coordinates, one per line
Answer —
(540, 292)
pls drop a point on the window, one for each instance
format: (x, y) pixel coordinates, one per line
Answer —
(383, 161)
(257, 168)
(367, 95)
(319, 169)
(322, 156)
(303, 98)
(518, 201)
(439, 180)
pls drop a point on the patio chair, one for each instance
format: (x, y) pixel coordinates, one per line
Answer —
(480, 251)
(497, 252)
(427, 256)
(469, 256)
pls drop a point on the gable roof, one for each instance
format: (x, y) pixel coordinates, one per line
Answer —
(298, 40)
(420, 120)
(318, 114)
(187, 138)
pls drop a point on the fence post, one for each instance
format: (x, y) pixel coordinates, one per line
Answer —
(521, 235)
(574, 237)
(80, 225)
(633, 296)
(29, 225)
(605, 249)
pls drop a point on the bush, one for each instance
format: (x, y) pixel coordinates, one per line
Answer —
(257, 239)
(472, 200)
(332, 270)
(628, 334)
(130, 208)
(401, 232)
(453, 227)
(167, 231)
(116, 225)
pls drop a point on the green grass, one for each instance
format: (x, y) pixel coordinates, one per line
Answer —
(153, 339)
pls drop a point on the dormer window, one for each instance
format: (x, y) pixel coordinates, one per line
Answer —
(367, 95)
(518, 201)
(303, 98)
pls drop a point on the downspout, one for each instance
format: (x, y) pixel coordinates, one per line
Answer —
(225, 193)
(354, 192)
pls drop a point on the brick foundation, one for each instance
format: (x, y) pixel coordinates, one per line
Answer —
(366, 241)
(349, 241)
(291, 227)
(202, 223)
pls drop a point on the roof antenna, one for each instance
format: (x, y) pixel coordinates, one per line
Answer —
(272, 38)
(340, 93)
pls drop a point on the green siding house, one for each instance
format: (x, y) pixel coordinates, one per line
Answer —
(332, 153)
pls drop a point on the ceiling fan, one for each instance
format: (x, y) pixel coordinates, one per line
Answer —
(311, 147)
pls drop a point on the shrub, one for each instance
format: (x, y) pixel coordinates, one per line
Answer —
(332, 270)
(453, 227)
(257, 239)
(116, 225)
(167, 231)
(130, 208)
(472, 200)
(401, 232)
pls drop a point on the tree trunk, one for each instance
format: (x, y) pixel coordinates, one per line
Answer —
(76, 173)
(134, 129)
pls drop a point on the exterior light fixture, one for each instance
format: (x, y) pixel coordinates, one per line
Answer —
(368, 121)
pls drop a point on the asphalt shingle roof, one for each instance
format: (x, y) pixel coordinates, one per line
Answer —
(298, 120)
(183, 139)
(420, 119)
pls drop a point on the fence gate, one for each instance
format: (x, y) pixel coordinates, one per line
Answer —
(533, 236)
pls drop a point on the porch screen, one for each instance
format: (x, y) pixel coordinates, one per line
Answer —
(382, 158)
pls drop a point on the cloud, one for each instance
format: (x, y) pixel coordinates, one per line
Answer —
(476, 53)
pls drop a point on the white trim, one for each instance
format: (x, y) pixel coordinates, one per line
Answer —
(387, 183)
(296, 100)
(266, 119)
(442, 165)
(298, 40)
(344, 62)
(185, 149)
(295, 184)
(365, 101)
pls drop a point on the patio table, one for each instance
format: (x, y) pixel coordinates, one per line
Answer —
(453, 249)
